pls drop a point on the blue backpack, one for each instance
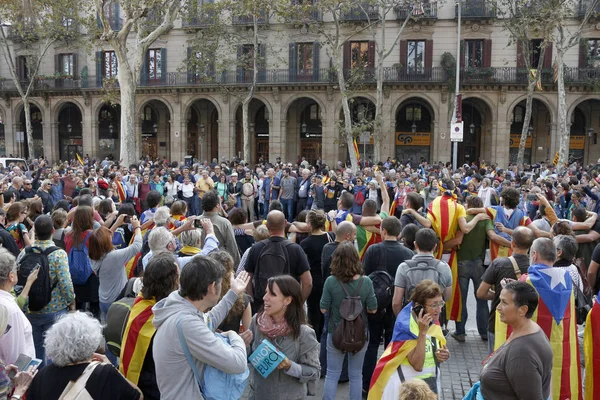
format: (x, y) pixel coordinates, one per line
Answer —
(223, 386)
(79, 262)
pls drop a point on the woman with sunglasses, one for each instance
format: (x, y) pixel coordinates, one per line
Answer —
(16, 214)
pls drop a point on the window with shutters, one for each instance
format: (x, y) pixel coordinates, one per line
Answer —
(109, 64)
(593, 53)
(415, 61)
(305, 58)
(66, 64)
(248, 57)
(154, 64)
(22, 69)
(473, 53)
(359, 53)
(534, 56)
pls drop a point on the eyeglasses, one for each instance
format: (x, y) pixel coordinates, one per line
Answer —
(439, 305)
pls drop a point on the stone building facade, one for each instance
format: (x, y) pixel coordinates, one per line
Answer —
(297, 107)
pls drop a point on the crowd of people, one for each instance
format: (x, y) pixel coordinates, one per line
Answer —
(190, 278)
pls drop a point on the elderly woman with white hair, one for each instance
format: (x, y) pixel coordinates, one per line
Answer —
(191, 241)
(71, 344)
(22, 379)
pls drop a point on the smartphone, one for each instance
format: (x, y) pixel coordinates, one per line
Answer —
(198, 223)
(21, 364)
(127, 219)
(418, 309)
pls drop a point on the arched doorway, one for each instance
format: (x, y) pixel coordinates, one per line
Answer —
(38, 134)
(537, 146)
(304, 130)
(258, 135)
(70, 132)
(155, 129)
(583, 143)
(203, 130)
(413, 131)
(109, 118)
(469, 148)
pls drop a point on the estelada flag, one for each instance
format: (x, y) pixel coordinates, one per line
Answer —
(517, 218)
(364, 239)
(356, 150)
(444, 213)
(591, 350)
(136, 339)
(342, 215)
(404, 340)
(555, 314)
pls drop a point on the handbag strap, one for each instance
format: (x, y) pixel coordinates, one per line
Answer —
(187, 353)
(73, 389)
(515, 267)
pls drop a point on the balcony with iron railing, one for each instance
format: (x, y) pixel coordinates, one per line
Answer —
(476, 9)
(366, 12)
(305, 14)
(198, 19)
(428, 11)
(589, 77)
(584, 6)
(262, 18)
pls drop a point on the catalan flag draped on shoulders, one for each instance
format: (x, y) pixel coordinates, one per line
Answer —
(137, 338)
(120, 191)
(385, 382)
(555, 314)
(591, 350)
(342, 215)
(500, 214)
(444, 213)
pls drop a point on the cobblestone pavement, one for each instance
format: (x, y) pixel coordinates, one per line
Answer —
(458, 374)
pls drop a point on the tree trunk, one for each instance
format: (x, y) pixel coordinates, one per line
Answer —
(526, 119)
(563, 133)
(28, 127)
(129, 142)
(246, 127)
(346, 109)
(378, 135)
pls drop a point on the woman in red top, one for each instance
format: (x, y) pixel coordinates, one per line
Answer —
(143, 190)
(83, 223)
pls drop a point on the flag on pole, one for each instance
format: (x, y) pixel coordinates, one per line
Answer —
(591, 350)
(394, 203)
(556, 316)
(79, 159)
(356, 150)
(404, 340)
(418, 8)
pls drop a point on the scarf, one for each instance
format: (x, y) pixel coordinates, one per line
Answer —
(486, 196)
(271, 329)
(189, 250)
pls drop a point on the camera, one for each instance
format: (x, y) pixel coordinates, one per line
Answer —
(127, 219)
(197, 223)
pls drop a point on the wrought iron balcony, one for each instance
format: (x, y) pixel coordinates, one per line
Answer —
(501, 76)
(262, 18)
(367, 12)
(584, 6)
(305, 14)
(476, 9)
(429, 11)
(197, 20)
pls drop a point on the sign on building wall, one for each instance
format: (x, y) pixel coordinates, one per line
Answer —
(576, 142)
(413, 139)
(515, 139)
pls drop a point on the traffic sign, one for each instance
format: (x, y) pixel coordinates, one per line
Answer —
(456, 132)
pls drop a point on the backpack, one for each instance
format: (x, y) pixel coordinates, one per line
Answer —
(40, 293)
(359, 198)
(583, 305)
(223, 386)
(350, 336)
(272, 261)
(417, 272)
(582, 269)
(383, 284)
(61, 242)
(116, 319)
(79, 262)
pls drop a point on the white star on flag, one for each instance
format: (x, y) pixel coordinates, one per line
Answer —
(557, 275)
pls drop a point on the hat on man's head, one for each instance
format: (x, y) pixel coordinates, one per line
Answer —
(102, 185)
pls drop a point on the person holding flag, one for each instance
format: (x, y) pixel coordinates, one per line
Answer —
(591, 349)
(556, 317)
(448, 219)
(417, 347)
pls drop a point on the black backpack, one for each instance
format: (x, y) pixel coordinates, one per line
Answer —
(40, 293)
(383, 284)
(583, 305)
(273, 260)
(61, 242)
(350, 336)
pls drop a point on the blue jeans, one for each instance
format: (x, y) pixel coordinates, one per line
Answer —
(472, 270)
(104, 311)
(335, 359)
(288, 208)
(323, 353)
(40, 323)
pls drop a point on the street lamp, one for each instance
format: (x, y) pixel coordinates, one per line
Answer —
(303, 126)
(69, 128)
(530, 130)
(590, 132)
(472, 128)
(111, 128)
(155, 127)
(202, 130)
(413, 127)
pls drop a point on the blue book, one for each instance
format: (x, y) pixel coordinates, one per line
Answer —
(266, 358)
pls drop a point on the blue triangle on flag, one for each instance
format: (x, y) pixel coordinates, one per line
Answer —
(554, 286)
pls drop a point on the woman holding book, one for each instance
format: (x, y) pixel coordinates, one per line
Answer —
(282, 321)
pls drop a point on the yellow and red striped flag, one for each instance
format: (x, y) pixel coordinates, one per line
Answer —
(517, 218)
(364, 239)
(326, 179)
(136, 339)
(404, 340)
(120, 191)
(591, 350)
(444, 213)
(556, 316)
(356, 150)
(394, 203)
(79, 159)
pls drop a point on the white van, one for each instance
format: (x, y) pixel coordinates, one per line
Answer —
(19, 162)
